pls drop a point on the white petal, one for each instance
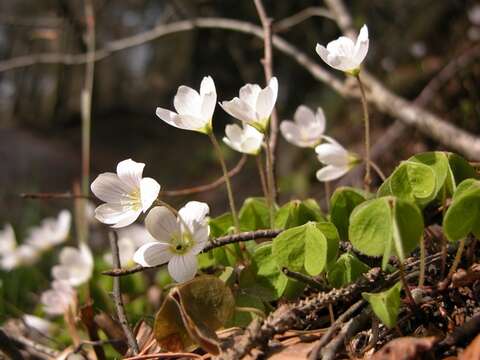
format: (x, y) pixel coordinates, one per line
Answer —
(332, 154)
(252, 145)
(153, 254)
(136, 234)
(249, 94)
(169, 117)
(162, 224)
(343, 47)
(320, 120)
(183, 267)
(149, 189)
(7, 240)
(43, 326)
(194, 211)
(109, 188)
(234, 133)
(265, 103)
(361, 46)
(200, 236)
(331, 172)
(27, 254)
(322, 52)
(117, 214)
(239, 110)
(187, 101)
(130, 172)
(207, 86)
(291, 133)
(208, 107)
(304, 116)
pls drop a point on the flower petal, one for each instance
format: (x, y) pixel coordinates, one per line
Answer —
(266, 99)
(361, 46)
(322, 52)
(183, 267)
(332, 154)
(153, 254)
(162, 224)
(320, 120)
(130, 172)
(194, 211)
(7, 240)
(120, 215)
(304, 116)
(331, 172)
(149, 189)
(249, 94)
(239, 110)
(207, 86)
(109, 188)
(187, 101)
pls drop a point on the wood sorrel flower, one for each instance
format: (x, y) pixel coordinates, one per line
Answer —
(76, 265)
(307, 128)
(194, 110)
(254, 104)
(59, 298)
(247, 140)
(342, 54)
(337, 159)
(13, 256)
(179, 239)
(51, 232)
(126, 194)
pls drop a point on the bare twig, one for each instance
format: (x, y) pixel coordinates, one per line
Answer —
(214, 243)
(334, 327)
(307, 280)
(117, 296)
(65, 195)
(301, 16)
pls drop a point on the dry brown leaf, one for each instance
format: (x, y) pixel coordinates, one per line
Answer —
(472, 352)
(405, 348)
(297, 351)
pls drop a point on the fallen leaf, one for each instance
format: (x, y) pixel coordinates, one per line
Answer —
(405, 348)
(464, 278)
(472, 352)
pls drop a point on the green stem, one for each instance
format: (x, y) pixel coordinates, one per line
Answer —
(228, 185)
(270, 181)
(368, 178)
(458, 258)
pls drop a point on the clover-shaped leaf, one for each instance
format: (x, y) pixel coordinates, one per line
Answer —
(254, 214)
(296, 213)
(386, 226)
(386, 304)
(342, 203)
(346, 270)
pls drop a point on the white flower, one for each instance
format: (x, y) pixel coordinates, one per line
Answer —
(342, 54)
(129, 240)
(126, 194)
(42, 326)
(247, 140)
(51, 231)
(179, 240)
(13, 256)
(76, 265)
(307, 128)
(59, 298)
(194, 110)
(337, 159)
(255, 105)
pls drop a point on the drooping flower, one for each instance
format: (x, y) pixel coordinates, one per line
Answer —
(345, 55)
(194, 110)
(307, 128)
(126, 194)
(247, 140)
(129, 240)
(59, 298)
(51, 232)
(76, 265)
(254, 104)
(337, 159)
(178, 239)
(40, 325)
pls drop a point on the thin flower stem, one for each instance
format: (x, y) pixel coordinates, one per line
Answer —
(368, 179)
(228, 185)
(258, 160)
(421, 278)
(443, 265)
(270, 181)
(326, 186)
(69, 318)
(458, 258)
(252, 310)
(377, 169)
(413, 304)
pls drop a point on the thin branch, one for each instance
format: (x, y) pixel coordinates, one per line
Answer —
(301, 16)
(307, 280)
(65, 195)
(214, 243)
(387, 102)
(117, 296)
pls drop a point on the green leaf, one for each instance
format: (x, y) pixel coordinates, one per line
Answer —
(308, 248)
(414, 181)
(386, 226)
(342, 203)
(254, 215)
(463, 215)
(221, 225)
(460, 168)
(346, 270)
(386, 304)
(296, 213)
(242, 318)
(438, 162)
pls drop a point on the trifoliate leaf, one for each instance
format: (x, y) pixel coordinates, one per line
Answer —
(346, 270)
(254, 215)
(296, 213)
(342, 203)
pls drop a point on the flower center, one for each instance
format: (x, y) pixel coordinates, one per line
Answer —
(181, 243)
(134, 200)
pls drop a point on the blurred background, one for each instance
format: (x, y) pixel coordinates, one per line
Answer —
(40, 120)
